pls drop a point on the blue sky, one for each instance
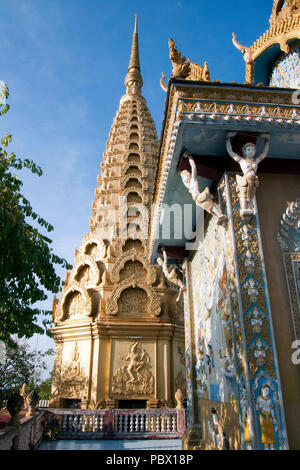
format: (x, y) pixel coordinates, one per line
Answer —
(65, 61)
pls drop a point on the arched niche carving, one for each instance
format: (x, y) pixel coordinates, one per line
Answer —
(133, 157)
(85, 271)
(289, 240)
(133, 302)
(134, 136)
(133, 146)
(133, 255)
(153, 304)
(132, 170)
(94, 246)
(133, 182)
(135, 195)
(133, 245)
(75, 300)
(132, 268)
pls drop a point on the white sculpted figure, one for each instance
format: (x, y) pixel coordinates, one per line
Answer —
(170, 274)
(248, 183)
(204, 199)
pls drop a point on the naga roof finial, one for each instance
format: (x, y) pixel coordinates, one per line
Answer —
(183, 68)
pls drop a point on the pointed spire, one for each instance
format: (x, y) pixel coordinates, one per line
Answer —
(133, 80)
(134, 58)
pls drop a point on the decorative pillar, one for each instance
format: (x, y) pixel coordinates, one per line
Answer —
(260, 400)
(192, 436)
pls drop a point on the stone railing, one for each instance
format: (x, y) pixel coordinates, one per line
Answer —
(25, 436)
(117, 424)
(161, 423)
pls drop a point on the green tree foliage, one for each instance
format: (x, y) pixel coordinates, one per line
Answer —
(44, 389)
(26, 257)
(21, 365)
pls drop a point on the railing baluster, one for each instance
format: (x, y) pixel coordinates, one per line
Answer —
(174, 423)
(168, 423)
(157, 424)
(131, 423)
(162, 423)
(116, 421)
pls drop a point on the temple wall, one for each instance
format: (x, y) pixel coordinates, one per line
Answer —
(274, 193)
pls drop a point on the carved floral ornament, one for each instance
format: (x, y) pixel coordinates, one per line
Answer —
(154, 307)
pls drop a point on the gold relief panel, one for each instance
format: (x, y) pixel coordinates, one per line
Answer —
(133, 365)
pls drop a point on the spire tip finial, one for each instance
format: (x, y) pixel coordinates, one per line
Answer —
(133, 78)
(135, 24)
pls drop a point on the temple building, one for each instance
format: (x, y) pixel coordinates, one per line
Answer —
(119, 326)
(200, 292)
(229, 173)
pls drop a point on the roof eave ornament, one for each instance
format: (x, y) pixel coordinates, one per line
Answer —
(183, 68)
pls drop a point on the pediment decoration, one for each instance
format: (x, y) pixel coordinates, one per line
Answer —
(133, 255)
(125, 245)
(98, 249)
(74, 301)
(91, 277)
(154, 306)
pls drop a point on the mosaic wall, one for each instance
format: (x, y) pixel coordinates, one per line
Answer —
(215, 364)
(234, 360)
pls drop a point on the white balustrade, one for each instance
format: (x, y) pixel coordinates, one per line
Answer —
(120, 422)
